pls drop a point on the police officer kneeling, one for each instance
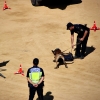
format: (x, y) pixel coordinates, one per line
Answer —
(35, 78)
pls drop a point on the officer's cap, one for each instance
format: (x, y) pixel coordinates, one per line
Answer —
(69, 25)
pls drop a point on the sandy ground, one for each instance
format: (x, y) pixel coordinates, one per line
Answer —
(27, 32)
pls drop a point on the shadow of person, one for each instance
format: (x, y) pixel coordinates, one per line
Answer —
(47, 96)
(89, 50)
(4, 63)
(61, 4)
(2, 75)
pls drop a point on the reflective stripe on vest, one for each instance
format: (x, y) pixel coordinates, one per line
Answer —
(35, 76)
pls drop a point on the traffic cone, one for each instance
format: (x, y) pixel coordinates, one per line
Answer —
(20, 71)
(95, 26)
(5, 6)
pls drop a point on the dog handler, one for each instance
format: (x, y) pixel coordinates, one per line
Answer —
(82, 38)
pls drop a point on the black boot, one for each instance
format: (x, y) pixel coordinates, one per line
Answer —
(82, 56)
(77, 55)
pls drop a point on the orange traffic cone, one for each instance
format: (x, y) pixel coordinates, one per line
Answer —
(94, 25)
(20, 71)
(5, 6)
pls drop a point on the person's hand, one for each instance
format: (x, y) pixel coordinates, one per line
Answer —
(35, 85)
(73, 46)
(81, 39)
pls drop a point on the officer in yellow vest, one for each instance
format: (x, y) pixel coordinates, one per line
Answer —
(35, 78)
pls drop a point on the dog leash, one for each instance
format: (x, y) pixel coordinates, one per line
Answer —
(71, 47)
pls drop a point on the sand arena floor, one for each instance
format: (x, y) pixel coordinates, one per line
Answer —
(27, 32)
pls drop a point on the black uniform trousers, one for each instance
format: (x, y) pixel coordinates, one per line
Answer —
(81, 45)
(32, 91)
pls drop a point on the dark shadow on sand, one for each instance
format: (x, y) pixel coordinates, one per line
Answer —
(48, 96)
(61, 4)
(89, 50)
(2, 75)
(4, 63)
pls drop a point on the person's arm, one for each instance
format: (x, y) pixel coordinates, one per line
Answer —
(41, 80)
(85, 33)
(42, 77)
(72, 40)
(28, 79)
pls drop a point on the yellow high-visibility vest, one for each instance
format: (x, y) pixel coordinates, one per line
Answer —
(35, 76)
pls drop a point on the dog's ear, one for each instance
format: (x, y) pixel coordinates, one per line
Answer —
(85, 25)
(53, 52)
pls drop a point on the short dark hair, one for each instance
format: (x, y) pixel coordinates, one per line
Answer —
(35, 61)
(69, 25)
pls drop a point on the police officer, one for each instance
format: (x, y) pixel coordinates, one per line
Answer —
(35, 78)
(82, 38)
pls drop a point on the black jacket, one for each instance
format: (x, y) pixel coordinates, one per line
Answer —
(79, 29)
